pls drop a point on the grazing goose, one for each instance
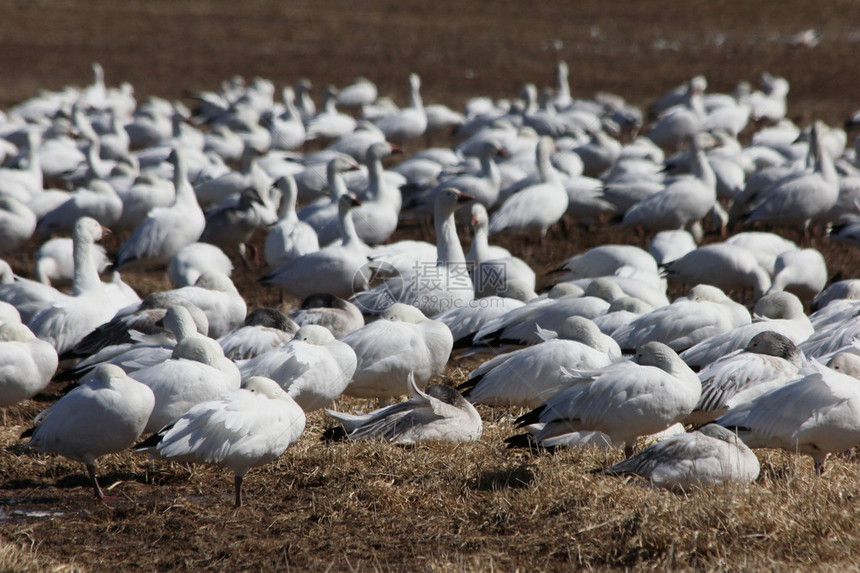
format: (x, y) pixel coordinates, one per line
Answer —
(727, 267)
(105, 414)
(192, 261)
(711, 456)
(403, 340)
(802, 272)
(606, 260)
(313, 368)
(815, 415)
(624, 400)
(769, 360)
(27, 364)
(249, 427)
(529, 376)
(166, 229)
(437, 414)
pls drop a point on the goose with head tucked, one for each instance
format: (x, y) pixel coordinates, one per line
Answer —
(27, 364)
(710, 456)
(403, 340)
(815, 415)
(725, 266)
(438, 413)
(624, 400)
(263, 330)
(338, 315)
(529, 376)
(105, 414)
(196, 371)
(313, 367)
(249, 427)
(769, 360)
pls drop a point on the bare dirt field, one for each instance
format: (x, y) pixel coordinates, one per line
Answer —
(476, 506)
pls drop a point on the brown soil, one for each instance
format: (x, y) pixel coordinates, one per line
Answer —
(367, 506)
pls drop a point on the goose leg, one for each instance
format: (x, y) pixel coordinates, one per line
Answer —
(97, 490)
(238, 484)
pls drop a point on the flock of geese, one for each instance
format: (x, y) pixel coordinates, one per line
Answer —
(602, 359)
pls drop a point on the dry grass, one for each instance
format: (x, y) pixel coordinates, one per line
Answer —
(441, 507)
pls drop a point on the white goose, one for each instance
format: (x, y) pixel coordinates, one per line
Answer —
(529, 376)
(329, 123)
(725, 266)
(376, 218)
(55, 263)
(197, 371)
(249, 427)
(264, 329)
(802, 272)
(166, 229)
(408, 123)
(17, 224)
(490, 274)
(105, 414)
(322, 214)
(437, 414)
(338, 315)
(192, 261)
(27, 364)
(98, 200)
(815, 415)
(289, 238)
(769, 360)
(704, 312)
(537, 206)
(216, 295)
(625, 400)
(313, 368)
(780, 311)
(433, 288)
(337, 268)
(710, 456)
(403, 340)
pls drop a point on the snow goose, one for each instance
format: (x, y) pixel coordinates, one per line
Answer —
(520, 326)
(249, 427)
(196, 371)
(465, 321)
(231, 224)
(682, 121)
(149, 190)
(796, 200)
(529, 376)
(409, 122)
(166, 229)
(376, 218)
(24, 184)
(17, 224)
(322, 214)
(329, 123)
(263, 330)
(27, 364)
(289, 238)
(484, 184)
(338, 315)
(668, 246)
(98, 200)
(438, 414)
(769, 360)
(779, 311)
(620, 313)
(357, 143)
(537, 206)
(606, 260)
(69, 318)
(848, 289)
(105, 414)
(403, 340)
(704, 312)
(55, 261)
(211, 192)
(490, 274)
(336, 268)
(682, 203)
(711, 456)
(359, 93)
(802, 272)
(765, 246)
(433, 288)
(287, 129)
(217, 296)
(725, 266)
(624, 400)
(193, 260)
(815, 415)
(313, 368)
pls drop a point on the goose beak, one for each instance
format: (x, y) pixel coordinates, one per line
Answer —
(464, 197)
(395, 149)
